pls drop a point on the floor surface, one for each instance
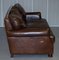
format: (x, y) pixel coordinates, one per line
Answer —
(5, 55)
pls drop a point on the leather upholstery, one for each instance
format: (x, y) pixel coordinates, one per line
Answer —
(28, 32)
(16, 19)
(16, 22)
(21, 28)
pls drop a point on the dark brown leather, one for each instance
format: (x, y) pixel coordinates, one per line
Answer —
(20, 8)
(7, 24)
(35, 37)
(16, 22)
(37, 23)
(30, 45)
(28, 32)
(16, 19)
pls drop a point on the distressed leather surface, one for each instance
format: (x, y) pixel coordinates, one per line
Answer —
(35, 38)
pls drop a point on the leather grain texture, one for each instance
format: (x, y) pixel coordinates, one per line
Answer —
(30, 45)
(35, 38)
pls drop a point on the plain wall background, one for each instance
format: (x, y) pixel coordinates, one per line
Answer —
(53, 12)
(0, 9)
(48, 8)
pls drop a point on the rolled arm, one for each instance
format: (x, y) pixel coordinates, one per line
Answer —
(52, 36)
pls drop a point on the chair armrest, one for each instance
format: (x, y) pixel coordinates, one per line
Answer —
(34, 13)
(52, 36)
(28, 32)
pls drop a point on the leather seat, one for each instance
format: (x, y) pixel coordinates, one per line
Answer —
(19, 27)
(28, 32)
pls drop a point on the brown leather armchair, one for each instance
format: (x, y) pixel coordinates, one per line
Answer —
(28, 35)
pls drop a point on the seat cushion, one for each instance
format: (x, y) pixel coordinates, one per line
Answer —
(28, 32)
(35, 28)
(42, 23)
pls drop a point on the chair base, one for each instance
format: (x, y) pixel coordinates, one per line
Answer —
(12, 55)
(31, 45)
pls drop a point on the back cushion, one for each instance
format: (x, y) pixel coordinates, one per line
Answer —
(21, 10)
(16, 22)
(16, 19)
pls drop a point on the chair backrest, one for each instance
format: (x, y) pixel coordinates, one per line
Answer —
(21, 9)
(17, 12)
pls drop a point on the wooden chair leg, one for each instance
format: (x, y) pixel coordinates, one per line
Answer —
(12, 55)
(50, 55)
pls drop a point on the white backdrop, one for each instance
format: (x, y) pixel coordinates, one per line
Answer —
(48, 8)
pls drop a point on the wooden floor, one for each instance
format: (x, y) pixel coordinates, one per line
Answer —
(5, 55)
